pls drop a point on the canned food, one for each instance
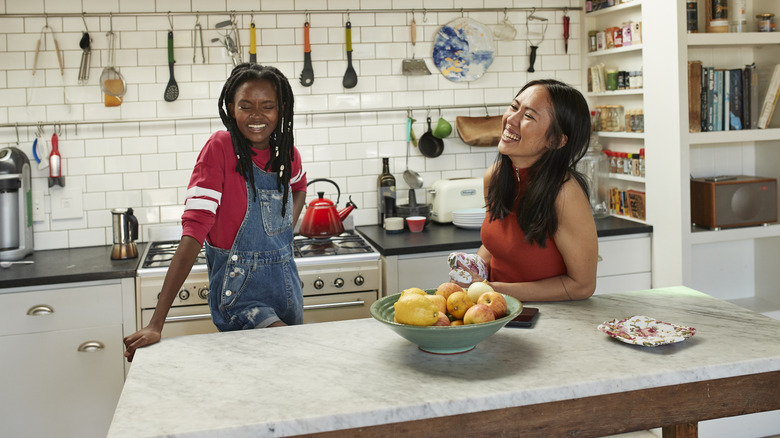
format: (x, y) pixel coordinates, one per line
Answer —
(765, 22)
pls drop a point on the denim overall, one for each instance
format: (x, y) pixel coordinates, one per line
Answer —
(256, 283)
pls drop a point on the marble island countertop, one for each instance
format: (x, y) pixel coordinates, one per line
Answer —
(342, 375)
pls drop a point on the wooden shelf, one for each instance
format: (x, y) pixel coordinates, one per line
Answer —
(624, 177)
(733, 39)
(620, 7)
(702, 235)
(734, 136)
(629, 92)
(631, 135)
(619, 50)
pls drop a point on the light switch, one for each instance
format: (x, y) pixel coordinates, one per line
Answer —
(66, 202)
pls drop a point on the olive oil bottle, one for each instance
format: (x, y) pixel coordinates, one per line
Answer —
(385, 192)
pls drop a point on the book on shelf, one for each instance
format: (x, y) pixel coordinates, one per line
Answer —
(710, 98)
(704, 99)
(752, 90)
(734, 110)
(726, 99)
(694, 96)
(717, 101)
(770, 99)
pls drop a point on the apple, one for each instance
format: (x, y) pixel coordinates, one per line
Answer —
(478, 313)
(439, 301)
(458, 303)
(456, 322)
(446, 289)
(477, 289)
(495, 301)
(443, 320)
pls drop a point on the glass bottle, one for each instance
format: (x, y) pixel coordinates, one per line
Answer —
(385, 192)
(595, 167)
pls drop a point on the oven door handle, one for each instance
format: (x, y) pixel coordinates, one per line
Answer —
(188, 317)
(357, 303)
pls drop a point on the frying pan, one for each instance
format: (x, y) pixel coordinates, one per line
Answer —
(429, 145)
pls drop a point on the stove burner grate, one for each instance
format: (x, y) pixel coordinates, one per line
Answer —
(161, 253)
(345, 243)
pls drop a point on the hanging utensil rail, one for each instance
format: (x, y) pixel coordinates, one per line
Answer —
(502, 105)
(287, 12)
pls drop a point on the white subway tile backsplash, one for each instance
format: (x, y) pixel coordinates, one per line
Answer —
(146, 164)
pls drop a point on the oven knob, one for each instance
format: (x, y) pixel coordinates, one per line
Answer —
(203, 293)
(359, 280)
(339, 282)
(319, 284)
(184, 294)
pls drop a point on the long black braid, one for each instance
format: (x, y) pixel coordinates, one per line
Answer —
(282, 153)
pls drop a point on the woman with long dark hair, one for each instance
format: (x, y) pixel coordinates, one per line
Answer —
(539, 239)
(244, 197)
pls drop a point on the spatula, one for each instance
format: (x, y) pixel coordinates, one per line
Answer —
(307, 74)
(172, 89)
(350, 76)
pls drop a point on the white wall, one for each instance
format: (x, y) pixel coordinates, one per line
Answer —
(146, 165)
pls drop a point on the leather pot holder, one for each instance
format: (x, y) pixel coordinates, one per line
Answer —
(479, 131)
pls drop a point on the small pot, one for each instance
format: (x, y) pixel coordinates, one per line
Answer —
(429, 145)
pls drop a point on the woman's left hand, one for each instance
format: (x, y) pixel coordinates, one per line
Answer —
(475, 277)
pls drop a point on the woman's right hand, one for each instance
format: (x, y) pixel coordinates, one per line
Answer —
(146, 336)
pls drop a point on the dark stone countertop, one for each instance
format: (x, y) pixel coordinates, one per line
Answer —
(447, 237)
(68, 266)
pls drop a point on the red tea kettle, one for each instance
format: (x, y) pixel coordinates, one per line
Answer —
(321, 219)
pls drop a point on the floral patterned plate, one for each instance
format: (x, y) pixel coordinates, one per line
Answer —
(646, 331)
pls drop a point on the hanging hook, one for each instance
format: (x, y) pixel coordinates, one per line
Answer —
(425, 15)
(348, 15)
(84, 20)
(461, 13)
(16, 125)
(111, 22)
(487, 114)
(170, 20)
(39, 130)
(308, 16)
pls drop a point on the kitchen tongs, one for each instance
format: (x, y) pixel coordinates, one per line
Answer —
(534, 46)
(57, 50)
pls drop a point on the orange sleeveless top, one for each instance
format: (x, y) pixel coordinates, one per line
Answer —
(514, 260)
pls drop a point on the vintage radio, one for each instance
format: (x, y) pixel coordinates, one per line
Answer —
(733, 201)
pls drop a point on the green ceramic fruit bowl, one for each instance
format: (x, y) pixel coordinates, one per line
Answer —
(442, 339)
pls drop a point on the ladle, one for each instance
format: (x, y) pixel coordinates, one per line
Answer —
(411, 177)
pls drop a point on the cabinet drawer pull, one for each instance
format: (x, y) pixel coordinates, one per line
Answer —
(188, 317)
(39, 310)
(91, 347)
(333, 305)
(600, 259)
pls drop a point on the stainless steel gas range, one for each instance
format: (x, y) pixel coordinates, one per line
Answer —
(341, 277)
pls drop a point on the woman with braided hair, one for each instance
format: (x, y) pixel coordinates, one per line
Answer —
(243, 200)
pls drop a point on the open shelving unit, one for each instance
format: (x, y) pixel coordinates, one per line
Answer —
(629, 58)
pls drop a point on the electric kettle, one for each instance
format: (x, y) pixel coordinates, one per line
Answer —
(125, 234)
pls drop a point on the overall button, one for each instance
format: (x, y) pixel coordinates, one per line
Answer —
(234, 257)
(232, 274)
(228, 293)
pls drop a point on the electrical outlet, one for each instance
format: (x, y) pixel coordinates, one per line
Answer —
(66, 202)
(37, 206)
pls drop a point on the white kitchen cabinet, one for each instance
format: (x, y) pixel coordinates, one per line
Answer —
(63, 367)
(624, 264)
(425, 270)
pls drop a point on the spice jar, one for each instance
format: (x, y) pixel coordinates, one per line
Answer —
(765, 22)
(592, 44)
(612, 80)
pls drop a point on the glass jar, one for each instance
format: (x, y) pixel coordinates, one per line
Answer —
(592, 44)
(765, 22)
(595, 167)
